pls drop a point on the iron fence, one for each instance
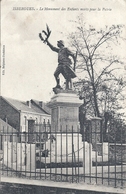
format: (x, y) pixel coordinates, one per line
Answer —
(91, 156)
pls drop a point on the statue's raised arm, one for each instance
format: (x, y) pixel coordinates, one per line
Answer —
(64, 62)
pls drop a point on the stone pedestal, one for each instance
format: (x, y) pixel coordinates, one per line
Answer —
(68, 145)
(69, 148)
(64, 111)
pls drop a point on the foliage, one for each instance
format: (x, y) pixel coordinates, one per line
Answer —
(99, 66)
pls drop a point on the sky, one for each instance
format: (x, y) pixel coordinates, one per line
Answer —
(28, 65)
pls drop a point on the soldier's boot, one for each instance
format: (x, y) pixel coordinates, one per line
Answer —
(69, 84)
(58, 83)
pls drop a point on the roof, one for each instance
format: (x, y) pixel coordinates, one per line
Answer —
(23, 106)
(43, 106)
(6, 128)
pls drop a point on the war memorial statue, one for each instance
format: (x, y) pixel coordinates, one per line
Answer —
(64, 62)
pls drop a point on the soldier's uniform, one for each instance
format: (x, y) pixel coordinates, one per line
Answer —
(64, 62)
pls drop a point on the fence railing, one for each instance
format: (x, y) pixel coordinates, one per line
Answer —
(64, 155)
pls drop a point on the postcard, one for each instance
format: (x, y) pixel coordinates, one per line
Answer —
(52, 46)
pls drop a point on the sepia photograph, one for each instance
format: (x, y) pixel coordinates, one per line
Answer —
(63, 97)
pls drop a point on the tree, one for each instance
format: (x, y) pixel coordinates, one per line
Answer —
(99, 64)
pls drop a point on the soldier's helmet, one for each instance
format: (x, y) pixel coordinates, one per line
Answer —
(61, 42)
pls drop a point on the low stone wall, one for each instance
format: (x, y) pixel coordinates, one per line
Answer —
(117, 152)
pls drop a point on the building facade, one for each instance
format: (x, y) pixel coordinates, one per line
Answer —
(20, 114)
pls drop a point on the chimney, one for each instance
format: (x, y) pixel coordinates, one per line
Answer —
(41, 104)
(29, 103)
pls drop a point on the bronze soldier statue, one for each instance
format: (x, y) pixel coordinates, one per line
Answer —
(64, 62)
